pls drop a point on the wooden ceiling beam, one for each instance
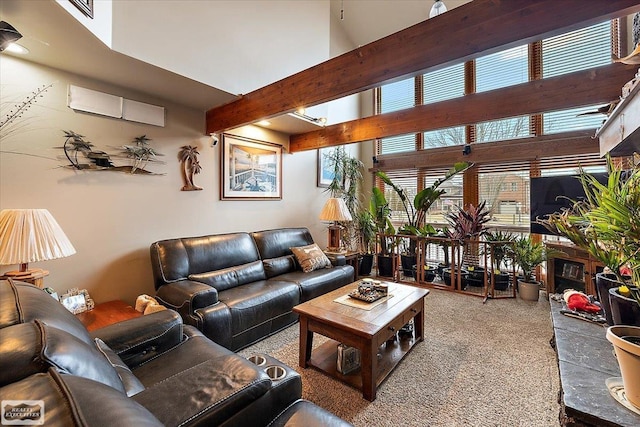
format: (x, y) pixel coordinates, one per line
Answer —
(524, 149)
(474, 29)
(596, 85)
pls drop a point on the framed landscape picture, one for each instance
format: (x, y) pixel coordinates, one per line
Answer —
(251, 169)
(325, 171)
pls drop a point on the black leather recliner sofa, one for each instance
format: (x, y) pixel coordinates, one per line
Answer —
(148, 371)
(239, 288)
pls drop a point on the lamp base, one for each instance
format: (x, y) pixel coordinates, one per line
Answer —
(35, 276)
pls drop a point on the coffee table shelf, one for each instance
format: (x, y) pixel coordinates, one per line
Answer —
(324, 358)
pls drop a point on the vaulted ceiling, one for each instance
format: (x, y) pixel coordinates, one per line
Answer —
(475, 29)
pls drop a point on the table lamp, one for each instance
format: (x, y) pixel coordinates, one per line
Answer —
(30, 235)
(335, 210)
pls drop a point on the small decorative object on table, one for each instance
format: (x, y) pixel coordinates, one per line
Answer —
(369, 290)
(348, 359)
(77, 300)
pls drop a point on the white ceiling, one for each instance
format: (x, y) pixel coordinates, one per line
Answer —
(56, 39)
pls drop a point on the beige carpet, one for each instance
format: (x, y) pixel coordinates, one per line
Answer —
(480, 365)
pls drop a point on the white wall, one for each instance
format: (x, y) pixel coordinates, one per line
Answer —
(100, 24)
(110, 217)
(236, 46)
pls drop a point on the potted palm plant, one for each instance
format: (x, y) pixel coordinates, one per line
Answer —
(381, 214)
(367, 231)
(528, 255)
(500, 249)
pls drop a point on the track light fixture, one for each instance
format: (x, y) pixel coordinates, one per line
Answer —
(8, 35)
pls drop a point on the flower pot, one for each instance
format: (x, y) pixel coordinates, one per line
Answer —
(529, 291)
(500, 281)
(604, 282)
(366, 263)
(628, 355)
(624, 311)
(446, 277)
(385, 266)
(476, 276)
(428, 275)
(407, 261)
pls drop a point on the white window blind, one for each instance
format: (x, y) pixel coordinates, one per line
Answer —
(444, 137)
(443, 84)
(566, 120)
(504, 129)
(398, 144)
(578, 50)
(398, 96)
(502, 69)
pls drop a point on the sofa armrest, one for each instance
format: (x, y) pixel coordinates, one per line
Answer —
(143, 338)
(337, 260)
(186, 296)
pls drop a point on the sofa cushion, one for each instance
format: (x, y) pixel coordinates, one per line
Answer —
(319, 282)
(22, 303)
(280, 265)
(175, 259)
(259, 302)
(73, 356)
(74, 401)
(132, 385)
(19, 347)
(311, 257)
(231, 277)
(276, 243)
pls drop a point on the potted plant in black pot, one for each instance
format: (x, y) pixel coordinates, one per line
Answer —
(367, 230)
(466, 227)
(416, 210)
(381, 214)
(500, 248)
(607, 225)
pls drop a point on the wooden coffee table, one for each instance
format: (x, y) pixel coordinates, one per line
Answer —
(366, 330)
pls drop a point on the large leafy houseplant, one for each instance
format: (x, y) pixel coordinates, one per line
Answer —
(416, 210)
(606, 224)
(527, 256)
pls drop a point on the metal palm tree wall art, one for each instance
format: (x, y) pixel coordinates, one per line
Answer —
(82, 156)
(188, 156)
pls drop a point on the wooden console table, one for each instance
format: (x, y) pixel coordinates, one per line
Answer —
(585, 361)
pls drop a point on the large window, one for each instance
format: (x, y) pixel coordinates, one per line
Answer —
(505, 188)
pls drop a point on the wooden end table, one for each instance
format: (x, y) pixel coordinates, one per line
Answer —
(366, 330)
(351, 257)
(107, 313)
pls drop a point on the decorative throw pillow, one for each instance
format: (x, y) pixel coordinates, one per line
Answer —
(311, 257)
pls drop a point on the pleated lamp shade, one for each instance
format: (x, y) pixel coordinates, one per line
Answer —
(335, 210)
(30, 235)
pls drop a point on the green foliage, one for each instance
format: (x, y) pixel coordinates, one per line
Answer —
(501, 244)
(381, 214)
(422, 201)
(528, 255)
(607, 223)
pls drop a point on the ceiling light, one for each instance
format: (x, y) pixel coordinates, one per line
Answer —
(320, 121)
(8, 35)
(16, 48)
(438, 8)
(264, 123)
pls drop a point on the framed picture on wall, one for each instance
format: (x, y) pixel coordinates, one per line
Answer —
(251, 169)
(85, 6)
(325, 171)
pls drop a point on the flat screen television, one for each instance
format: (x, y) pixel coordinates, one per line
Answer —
(546, 196)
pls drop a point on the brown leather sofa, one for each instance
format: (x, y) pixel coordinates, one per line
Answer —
(239, 288)
(148, 371)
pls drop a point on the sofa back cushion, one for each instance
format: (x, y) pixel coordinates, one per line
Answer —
(274, 248)
(231, 277)
(176, 259)
(33, 347)
(23, 303)
(74, 401)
